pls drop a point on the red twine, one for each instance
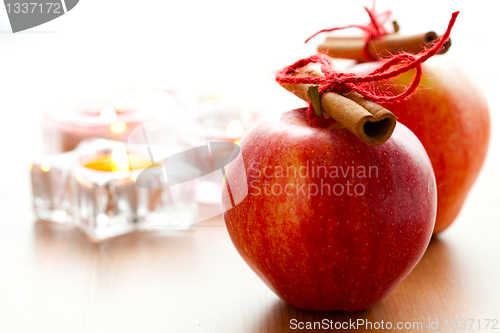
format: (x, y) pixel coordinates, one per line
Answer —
(347, 82)
(374, 29)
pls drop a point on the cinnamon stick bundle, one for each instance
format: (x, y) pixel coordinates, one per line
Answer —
(370, 122)
(353, 47)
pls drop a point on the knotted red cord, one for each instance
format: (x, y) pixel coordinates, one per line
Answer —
(346, 82)
(374, 29)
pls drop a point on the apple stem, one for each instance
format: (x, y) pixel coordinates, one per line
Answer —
(313, 94)
(395, 26)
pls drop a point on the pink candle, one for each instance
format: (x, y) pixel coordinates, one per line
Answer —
(66, 127)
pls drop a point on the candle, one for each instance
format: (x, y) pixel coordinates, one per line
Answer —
(119, 160)
(93, 188)
(227, 124)
(112, 117)
(216, 121)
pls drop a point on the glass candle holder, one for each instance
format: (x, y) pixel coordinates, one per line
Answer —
(94, 189)
(215, 121)
(112, 115)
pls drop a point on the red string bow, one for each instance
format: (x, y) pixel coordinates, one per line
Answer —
(347, 82)
(374, 29)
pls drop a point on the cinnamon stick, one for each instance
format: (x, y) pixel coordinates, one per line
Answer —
(353, 47)
(370, 122)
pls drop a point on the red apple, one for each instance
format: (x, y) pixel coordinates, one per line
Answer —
(329, 222)
(450, 117)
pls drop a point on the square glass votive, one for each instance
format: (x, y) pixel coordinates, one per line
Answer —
(105, 204)
(111, 115)
(214, 120)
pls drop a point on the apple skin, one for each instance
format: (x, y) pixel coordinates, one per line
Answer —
(450, 117)
(329, 252)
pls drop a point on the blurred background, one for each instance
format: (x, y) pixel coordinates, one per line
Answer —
(232, 49)
(222, 47)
